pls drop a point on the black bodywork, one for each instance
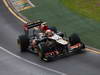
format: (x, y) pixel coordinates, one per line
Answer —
(49, 48)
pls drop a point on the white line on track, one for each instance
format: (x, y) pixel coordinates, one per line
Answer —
(16, 15)
(52, 70)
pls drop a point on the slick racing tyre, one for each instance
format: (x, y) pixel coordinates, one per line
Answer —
(42, 51)
(23, 42)
(74, 38)
(53, 28)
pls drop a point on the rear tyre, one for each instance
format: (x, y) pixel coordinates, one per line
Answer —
(23, 43)
(53, 28)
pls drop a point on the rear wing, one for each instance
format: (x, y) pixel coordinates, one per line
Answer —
(31, 25)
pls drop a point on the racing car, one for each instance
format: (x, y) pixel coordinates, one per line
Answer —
(47, 48)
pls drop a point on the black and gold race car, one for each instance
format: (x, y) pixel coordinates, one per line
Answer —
(47, 48)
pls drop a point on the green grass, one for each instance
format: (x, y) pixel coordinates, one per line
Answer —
(56, 14)
(88, 8)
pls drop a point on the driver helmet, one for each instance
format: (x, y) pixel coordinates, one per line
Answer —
(49, 33)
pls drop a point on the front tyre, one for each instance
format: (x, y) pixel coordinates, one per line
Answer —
(42, 51)
(74, 39)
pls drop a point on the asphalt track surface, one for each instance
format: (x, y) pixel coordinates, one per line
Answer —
(87, 63)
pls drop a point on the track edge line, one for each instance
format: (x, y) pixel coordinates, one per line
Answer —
(40, 66)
